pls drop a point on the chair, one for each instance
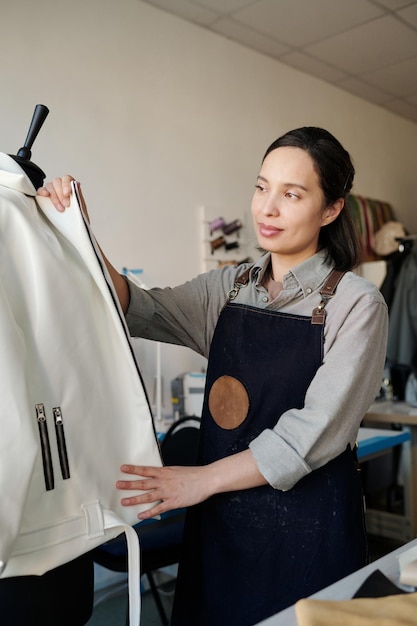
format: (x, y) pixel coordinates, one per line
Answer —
(160, 540)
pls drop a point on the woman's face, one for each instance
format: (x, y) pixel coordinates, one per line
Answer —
(288, 206)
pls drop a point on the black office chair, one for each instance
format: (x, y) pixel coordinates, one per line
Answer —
(160, 540)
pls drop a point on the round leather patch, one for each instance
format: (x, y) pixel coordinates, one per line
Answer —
(228, 402)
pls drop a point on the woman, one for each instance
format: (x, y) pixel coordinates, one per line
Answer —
(296, 347)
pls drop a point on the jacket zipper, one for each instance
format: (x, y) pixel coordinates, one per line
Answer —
(48, 470)
(60, 440)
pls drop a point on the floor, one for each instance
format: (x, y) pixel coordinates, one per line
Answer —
(110, 609)
(112, 612)
(111, 598)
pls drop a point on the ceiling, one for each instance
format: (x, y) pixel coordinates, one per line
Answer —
(366, 47)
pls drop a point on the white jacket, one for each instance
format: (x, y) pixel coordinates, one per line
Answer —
(73, 407)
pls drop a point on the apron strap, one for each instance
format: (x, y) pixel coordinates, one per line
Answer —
(327, 291)
(240, 281)
(243, 279)
(331, 283)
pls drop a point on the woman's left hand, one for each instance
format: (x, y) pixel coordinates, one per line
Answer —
(175, 487)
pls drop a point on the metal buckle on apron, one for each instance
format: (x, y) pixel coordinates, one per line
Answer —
(232, 294)
(319, 314)
(328, 290)
(240, 281)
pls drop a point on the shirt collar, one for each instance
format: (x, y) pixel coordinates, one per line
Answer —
(308, 275)
(312, 273)
(259, 268)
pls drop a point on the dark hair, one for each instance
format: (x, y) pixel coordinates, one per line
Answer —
(336, 173)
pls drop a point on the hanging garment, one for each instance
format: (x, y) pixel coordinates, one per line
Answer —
(402, 331)
(389, 284)
(251, 553)
(74, 408)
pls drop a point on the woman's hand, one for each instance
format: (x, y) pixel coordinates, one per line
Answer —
(175, 487)
(179, 487)
(59, 190)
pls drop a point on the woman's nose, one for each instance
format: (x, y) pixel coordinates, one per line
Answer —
(271, 206)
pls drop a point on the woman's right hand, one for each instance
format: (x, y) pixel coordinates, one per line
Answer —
(59, 190)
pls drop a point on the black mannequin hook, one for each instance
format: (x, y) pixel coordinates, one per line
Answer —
(36, 175)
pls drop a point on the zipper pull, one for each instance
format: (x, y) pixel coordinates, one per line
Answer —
(61, 443)
(57, 415)
(48, 469)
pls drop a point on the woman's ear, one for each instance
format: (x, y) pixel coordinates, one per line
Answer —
(332, 212)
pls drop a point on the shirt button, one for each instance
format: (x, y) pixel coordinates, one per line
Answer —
(309, 290)
(265, 299)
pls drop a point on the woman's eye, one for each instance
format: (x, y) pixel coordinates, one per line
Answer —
(260, 187)
(289, 194)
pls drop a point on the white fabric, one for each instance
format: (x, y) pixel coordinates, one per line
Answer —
(64, 343)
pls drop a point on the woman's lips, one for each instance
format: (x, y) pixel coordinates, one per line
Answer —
(268, 231)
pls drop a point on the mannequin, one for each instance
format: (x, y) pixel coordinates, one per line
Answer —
(63, 595)
(36, 175)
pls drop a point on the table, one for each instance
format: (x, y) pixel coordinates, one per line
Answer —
(384, 523)
(373, 442)
(347, 587)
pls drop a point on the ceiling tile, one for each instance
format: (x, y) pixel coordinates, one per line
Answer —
(250, 38)
(399, 79)
(393, 5)
(298, 23)
(312, 66)
(367, 47)
(364, 90)
(409, 14)
(187, 10)
(224, 7)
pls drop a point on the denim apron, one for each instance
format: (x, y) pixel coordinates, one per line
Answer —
(251, 553)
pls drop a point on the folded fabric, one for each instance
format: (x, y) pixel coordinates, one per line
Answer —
(397, 610)
(377, 585)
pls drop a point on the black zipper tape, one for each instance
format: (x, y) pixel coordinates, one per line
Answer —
(48, 469)
(61, 444)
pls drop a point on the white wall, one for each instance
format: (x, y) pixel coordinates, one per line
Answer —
(157, 117)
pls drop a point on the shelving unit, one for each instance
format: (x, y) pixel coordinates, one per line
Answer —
(224, 238)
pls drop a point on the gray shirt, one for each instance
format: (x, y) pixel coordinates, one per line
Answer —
(344, 386)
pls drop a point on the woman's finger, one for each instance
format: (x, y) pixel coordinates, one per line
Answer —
(59, 191)
(66, 186)
(141, 485)
(142, 470)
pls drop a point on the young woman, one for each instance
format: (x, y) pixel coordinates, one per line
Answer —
(296, 346)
